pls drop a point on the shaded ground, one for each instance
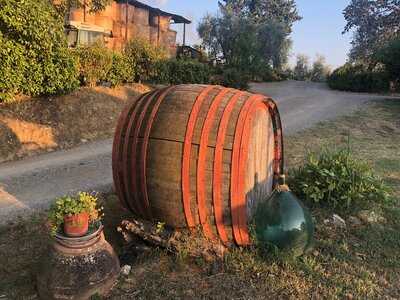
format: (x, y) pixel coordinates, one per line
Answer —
(359, 262)
(32, 126)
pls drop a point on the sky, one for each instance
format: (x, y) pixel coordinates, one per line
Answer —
(319, 32)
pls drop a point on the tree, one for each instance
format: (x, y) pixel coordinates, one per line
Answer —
(389, 55)
(233, 38)
(375, 23)
(208, 30)
(260, 27)
(320, 70)
(274, 43)
(64, 6)
(301, 70)
(279, 11)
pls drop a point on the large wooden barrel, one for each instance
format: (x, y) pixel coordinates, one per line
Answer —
(197, 154)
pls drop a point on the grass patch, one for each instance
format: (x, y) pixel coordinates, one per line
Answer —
(358, 262)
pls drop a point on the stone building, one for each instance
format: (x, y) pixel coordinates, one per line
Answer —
(122, 21)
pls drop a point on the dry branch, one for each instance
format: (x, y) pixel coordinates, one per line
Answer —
(192, 243)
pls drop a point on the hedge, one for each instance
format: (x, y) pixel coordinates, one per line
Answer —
(181, 71)
(356, 78)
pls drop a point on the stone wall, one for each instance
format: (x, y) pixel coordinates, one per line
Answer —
(141, 24)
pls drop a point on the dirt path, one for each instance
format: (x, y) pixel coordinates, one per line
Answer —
(302, 104)
(29, 185)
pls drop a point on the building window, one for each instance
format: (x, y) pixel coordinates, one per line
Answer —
(86, 37)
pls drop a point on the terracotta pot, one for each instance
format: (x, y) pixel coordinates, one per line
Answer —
(76, 225)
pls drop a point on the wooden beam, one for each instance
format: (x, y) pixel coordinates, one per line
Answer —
(184, 34)
(158, 32)
(126, 20)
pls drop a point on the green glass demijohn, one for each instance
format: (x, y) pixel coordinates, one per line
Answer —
(284, 222)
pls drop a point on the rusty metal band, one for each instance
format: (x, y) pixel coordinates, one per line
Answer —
(278, 139)
(127, 157)
(235, 175)
(218, 164)
(187, 148)
(120, 131)
(146, 138)
(258, 103)
(201, 163)
(134, 154)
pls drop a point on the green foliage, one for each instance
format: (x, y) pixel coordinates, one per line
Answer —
(232, 77)
(334, 178)
(32, 36)
(273, 20)
(268, 74)
(120, 71)
(389, 55)
(250, 34)
(63, 6)
(181, 71)
(357, 78)
(274, 43)
(143, 58)
(374, 23)
(12, 66)
(95, 62)
(69, 206)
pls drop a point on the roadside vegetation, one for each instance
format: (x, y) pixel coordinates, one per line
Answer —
(373, 64)
(35, 60)
(355, 260)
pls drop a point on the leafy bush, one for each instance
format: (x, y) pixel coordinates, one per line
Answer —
(68, 206)
(357, 78)
(12, 66)
(336, 179)
(95, 62)
(181, 71)
(389, 55)
(143, 58)
(34, 55)
(271, 75)
(232, 77)
(120, 71)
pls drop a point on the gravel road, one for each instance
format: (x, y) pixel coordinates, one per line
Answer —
(31, 184)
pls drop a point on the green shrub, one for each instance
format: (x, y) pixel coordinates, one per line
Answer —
(143, 58)
(12, 68)
(272, 75)
(389, 55)
(181, 71)
(95, 62)
(335, 179)
(357, 78)
(120, 71)
(232, 77)
(33, 42)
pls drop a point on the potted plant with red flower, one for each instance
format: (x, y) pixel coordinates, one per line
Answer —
(74, 214)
